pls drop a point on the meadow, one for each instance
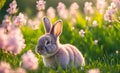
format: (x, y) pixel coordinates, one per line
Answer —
(95, 31)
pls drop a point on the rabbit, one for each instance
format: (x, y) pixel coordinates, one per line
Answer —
(54, 53)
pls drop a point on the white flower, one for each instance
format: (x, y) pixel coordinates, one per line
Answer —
(81, 32)
(94, 71)
(29, 60)
(119, 18)
(95, 23)
(116, 51)
(40, 5)
(95, 42)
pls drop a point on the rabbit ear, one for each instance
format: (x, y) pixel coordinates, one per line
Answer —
(57, 28)
(47, 24)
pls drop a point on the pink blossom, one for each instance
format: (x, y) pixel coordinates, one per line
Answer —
(34, 24)
(93, 71)
(88, 9)
(61, 6)
(73, 8)
(3, 38)
(88, 18)
(19, 20)
(29, 60)
(51, 12)
(117, 2)
(5, 67)
(40, 5)
(16, 42)
(62, 11)
(40, 15)
(13, 7)
(73, 12)
(73, 20)
(108, 16)
(101, 5)
(20, 70)
(81, 32)
(13, 44)
(6, 23)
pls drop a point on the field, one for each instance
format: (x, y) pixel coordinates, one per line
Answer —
(95, 31)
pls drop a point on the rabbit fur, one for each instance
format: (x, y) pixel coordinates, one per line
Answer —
(54, 53)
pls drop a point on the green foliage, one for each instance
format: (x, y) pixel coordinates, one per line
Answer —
(2, 2)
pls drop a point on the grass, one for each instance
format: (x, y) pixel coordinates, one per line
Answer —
(102, 55)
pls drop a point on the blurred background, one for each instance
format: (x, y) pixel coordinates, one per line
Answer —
(29, 6)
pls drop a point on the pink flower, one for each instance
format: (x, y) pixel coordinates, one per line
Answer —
(13, 7)
(108, 16)
(81, 32)
(88, 8)
(34, 24)
(73, 8)
(16, 42)
(62, 11)
(88, 18)
(20, 70)
(117, 2)
(93, 71)
(13, 44)
(51, 12)
(61, 6)
(40, 5)
(6, 23)
(29, 60)
(3, 38)
(73, 12)
(101, 4)
(5, 68)
(40, 15)
(73, 20)
(19, 20)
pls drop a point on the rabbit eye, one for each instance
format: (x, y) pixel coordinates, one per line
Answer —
(47, 42)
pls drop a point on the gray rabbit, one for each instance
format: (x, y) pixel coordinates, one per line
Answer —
(53, 52)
